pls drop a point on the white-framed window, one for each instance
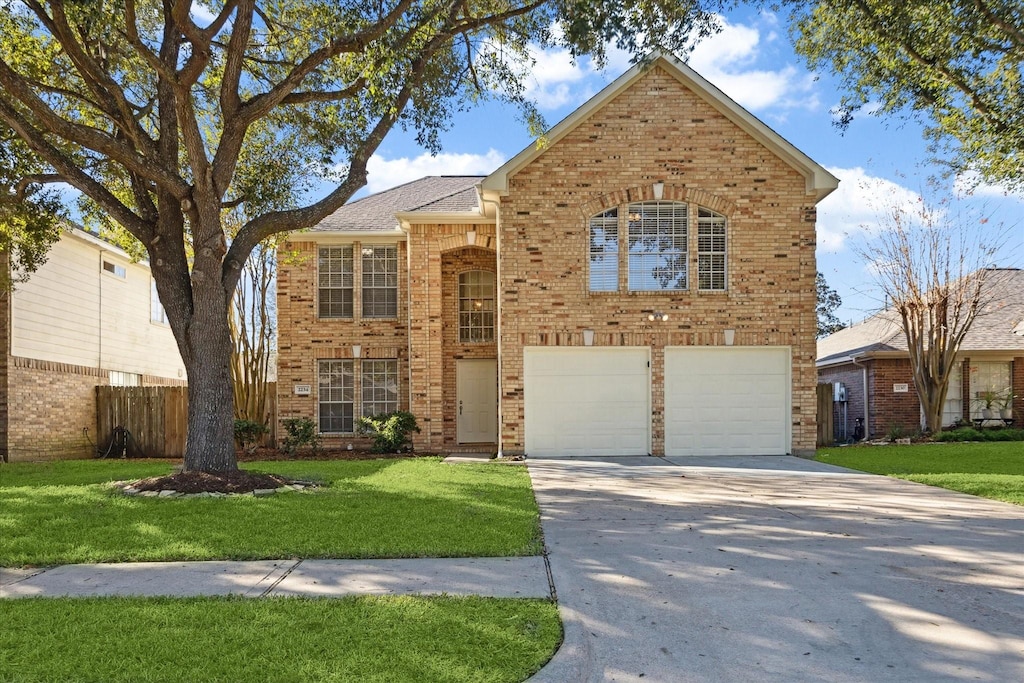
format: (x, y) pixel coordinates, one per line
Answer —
(990, 383)
(658, 254)
(157, 313)
(711, 250)
(379, 379)
(336, 279)
(336, 396)
(604, 251)
(125, 379)
(380, 281)
(115, 269)
(476, 306)
(953, 405)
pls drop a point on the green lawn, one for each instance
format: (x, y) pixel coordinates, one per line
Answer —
(991, 470)
(64, 512)
(276, 639)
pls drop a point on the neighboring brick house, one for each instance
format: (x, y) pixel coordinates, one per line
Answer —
(643, 283)
(870, 359)
(89, 316)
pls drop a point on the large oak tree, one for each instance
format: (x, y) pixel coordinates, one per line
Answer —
(956, 64)
(164, 121)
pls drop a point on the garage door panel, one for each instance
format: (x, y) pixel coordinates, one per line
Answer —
(727, 401)
(587, 401)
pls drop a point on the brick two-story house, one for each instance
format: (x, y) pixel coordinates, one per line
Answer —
(642, 283)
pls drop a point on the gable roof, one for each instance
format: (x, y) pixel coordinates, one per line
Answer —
(820, 182)
(998, 327)
(376, 212)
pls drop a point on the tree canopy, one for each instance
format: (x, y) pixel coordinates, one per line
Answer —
(164, 118)
(828, 301)
(956, 64)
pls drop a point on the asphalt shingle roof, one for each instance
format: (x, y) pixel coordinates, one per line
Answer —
(441, 194)
(998, 327)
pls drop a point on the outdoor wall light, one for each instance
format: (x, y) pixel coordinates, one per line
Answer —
(730, 337)
(657, 315)
(357, 350)
(588, 337)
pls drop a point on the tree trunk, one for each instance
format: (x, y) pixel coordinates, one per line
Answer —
(211, 433)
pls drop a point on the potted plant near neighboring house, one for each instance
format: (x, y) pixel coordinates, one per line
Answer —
(1006, 405)
(988, 400)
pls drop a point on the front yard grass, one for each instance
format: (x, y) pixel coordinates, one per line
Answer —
(66, 512)
(990, 470)
(276, 639)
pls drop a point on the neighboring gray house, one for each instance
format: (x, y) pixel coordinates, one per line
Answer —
(870, 359)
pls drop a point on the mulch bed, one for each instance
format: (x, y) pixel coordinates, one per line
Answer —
(239, 481)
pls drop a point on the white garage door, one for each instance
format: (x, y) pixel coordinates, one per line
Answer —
(582, 402)
(727, 401)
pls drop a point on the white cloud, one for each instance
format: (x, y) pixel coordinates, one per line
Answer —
(856, 206)
(970, 184)
(382, 173)
(728, 59)
(732, 59)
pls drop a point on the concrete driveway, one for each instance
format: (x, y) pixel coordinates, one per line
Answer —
(777, 569)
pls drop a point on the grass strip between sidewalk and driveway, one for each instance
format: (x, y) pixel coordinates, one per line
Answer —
(67, 512)
(991, 470)
(364, 639)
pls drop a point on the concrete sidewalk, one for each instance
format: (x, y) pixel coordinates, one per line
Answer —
(511, 577)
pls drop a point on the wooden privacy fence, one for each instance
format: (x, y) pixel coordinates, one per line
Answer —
(156, 419)
(826, 422)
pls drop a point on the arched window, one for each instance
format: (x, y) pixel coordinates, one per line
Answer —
(657, 246)
(476, 306)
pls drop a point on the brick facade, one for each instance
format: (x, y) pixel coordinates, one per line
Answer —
(304, 338)
(655, 131)
(889, 409)
(658, 131)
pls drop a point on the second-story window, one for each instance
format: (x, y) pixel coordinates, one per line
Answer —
(335, 282)
(604, 251)
(710, 250)
(380, 281)
(657, 246)
(476, 306)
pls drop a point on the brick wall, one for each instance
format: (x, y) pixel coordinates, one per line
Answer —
(889, 409)
(658, 131)
(5, 349)
(50, 404)
(303, 338)
(1017, 373)
(853, 377)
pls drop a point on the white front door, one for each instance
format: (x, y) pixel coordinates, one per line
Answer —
(476, 388)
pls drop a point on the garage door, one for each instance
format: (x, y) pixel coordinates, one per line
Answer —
(582, 402)
(727, 401)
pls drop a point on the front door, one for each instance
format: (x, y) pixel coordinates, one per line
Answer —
(477, 396)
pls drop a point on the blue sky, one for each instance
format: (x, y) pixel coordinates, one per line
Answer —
(879, 162)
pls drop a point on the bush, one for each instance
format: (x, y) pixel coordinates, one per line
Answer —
(301, 433)
(390, 431)
(248, 432)
(972, 434)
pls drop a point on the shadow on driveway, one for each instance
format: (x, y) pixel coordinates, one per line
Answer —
(777, 569)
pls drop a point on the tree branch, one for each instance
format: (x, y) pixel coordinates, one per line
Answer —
(73, 175)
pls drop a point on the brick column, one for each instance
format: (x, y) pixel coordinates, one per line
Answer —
(426, 362)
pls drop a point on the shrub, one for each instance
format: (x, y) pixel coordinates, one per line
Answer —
(301, 433)
(248, 432)
(895, 433)
(972, 434)
(390, 431)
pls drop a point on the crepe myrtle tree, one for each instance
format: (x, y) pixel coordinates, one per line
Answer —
(165, 115)
(932, 269)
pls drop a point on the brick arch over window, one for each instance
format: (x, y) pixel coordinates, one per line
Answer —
(461, 241)
(671, 193)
